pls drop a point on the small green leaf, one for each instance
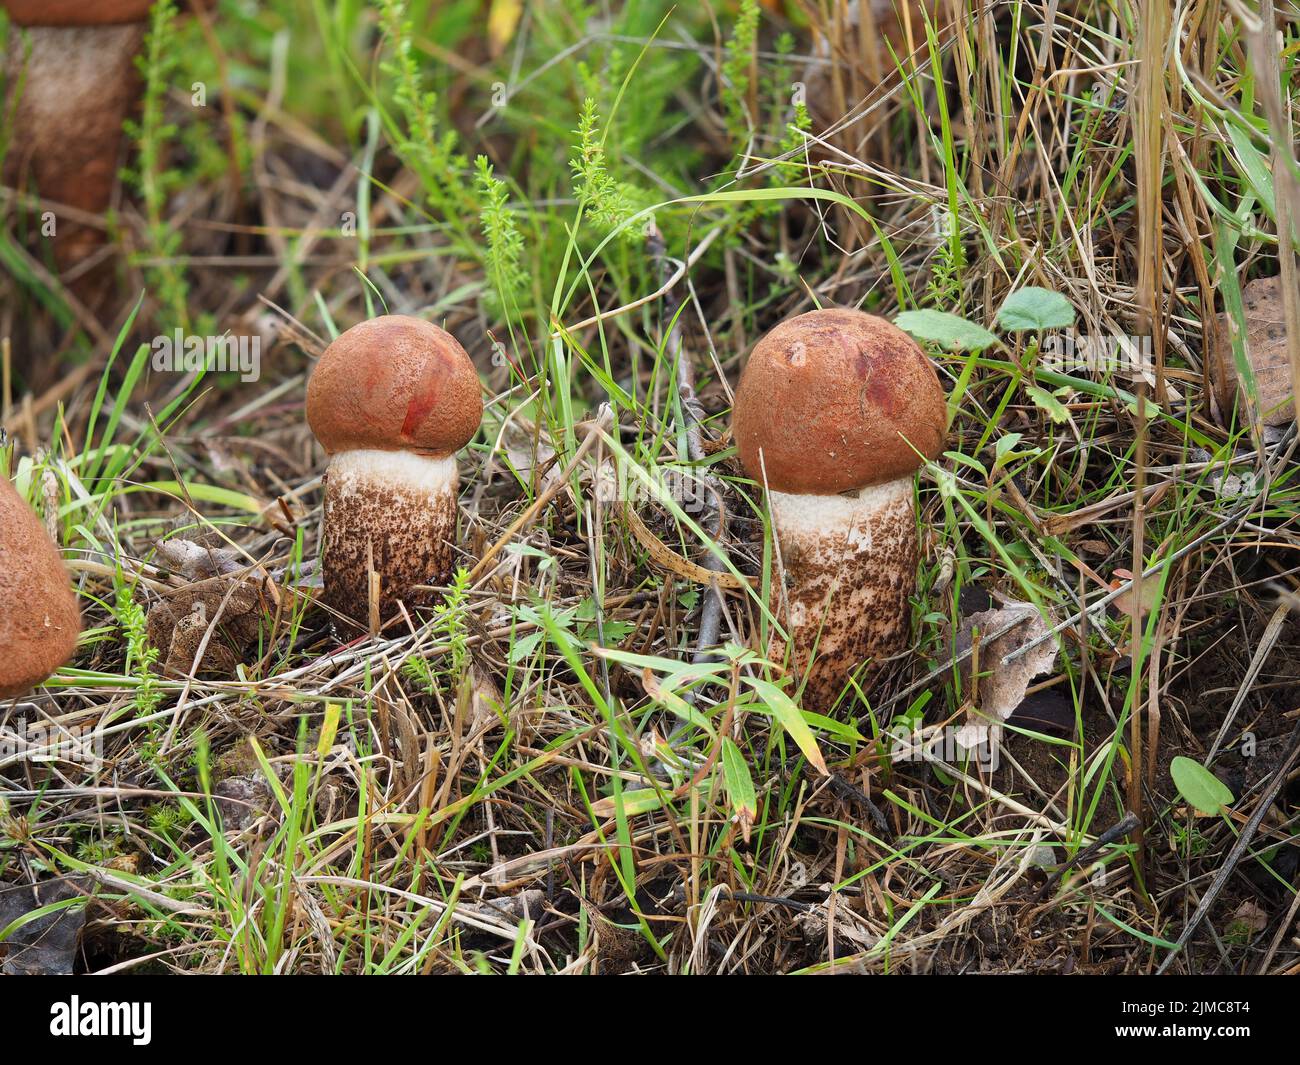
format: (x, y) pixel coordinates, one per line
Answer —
(967, 460)
(790, 719)
(947, 330)
(1034, 309)
(546, 562)
(1149, 410)
(1255, 166)
(740, 785)
(523, 647)
(1004, 448)
(1048, 403)
(841, 730)
(1201, 788)
(944, 480)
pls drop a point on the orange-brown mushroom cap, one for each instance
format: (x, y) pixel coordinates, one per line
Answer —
(40, 621)
(394, 383)
(837, 400)
(76, 12)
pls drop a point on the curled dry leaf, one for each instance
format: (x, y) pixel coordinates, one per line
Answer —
(527, 905)
(178, 624)
(1249, 917)
(486, 699)
(1128, 603)
(1266, 352)
(1001, 687)
(666, 558)
(196, 562)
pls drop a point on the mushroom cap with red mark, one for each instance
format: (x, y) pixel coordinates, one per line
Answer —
(394, 383)
(76, 12)
(40, 621)
(837, 400)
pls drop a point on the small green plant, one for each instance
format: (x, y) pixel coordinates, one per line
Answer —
(151, 177)
(605, 200)
(449, 621)
(429, 153)
(1188, 840)
(1239, 933)
(141, 656)
(738, 72)
(168, 820)
(449, 627)
(791, 127)
(1028, 309)
(505, 244)
(944, 284)
(99, 851)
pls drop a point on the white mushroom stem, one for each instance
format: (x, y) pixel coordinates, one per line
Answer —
(848, 566)
(392, 513)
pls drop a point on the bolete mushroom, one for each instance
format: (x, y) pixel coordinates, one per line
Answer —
(834, 412)
(40, 621)
(78, 83)
(391, 400)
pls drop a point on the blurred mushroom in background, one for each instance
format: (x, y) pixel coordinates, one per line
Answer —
(71, 67)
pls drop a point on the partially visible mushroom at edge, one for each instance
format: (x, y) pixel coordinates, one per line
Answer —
(40, 620)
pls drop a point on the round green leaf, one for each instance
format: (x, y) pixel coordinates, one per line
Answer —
(1199, 787)
(1034, 309)
(946, 330)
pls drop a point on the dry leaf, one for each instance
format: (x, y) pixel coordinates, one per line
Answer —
(528, 905)
(524, 452)
(241, 800)
(1001, 687)
(1265, 350)
(666, 558)
(1126, 602)
(486, 700)
(1249, 917)
(196, 562)
(178, 625)
(47, 945)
